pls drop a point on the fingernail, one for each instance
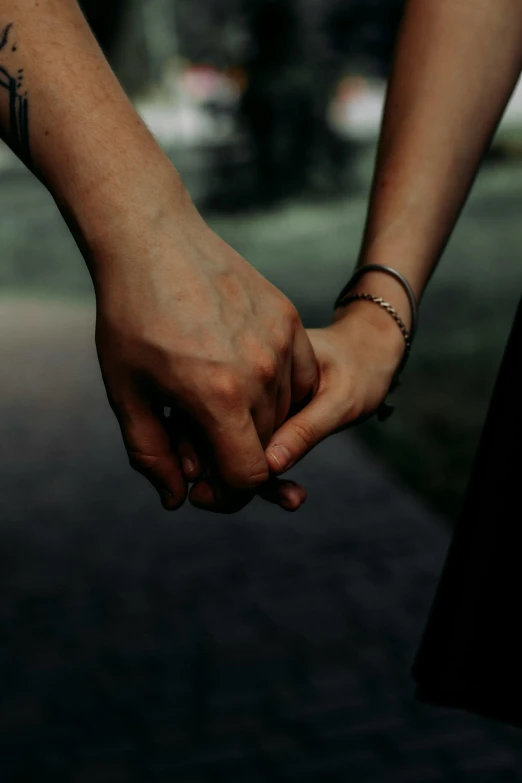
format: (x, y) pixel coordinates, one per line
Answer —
(294, 496)
(188, 466)
(281, 456)
(291, 499)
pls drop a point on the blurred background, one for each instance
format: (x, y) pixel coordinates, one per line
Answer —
(270, 110)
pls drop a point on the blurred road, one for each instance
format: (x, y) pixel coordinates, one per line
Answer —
(138, 646)
(141, 646)
(308, 249)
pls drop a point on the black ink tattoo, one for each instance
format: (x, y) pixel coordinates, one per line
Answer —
(18, 111)
(5, 36)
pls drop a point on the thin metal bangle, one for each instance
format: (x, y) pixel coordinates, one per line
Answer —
(385, 409)
(358, 274)
(385, 306)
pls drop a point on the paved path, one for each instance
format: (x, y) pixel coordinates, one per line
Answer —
(307, 250)
(140, 646)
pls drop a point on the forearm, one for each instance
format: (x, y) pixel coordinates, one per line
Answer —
(64, 113)
(457, 63)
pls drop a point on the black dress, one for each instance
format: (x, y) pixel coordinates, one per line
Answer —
(470, 656)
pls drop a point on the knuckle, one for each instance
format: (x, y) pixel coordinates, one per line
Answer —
(266, 367)
(226, 387)
(152, 341)
(305, 431)
(284, 342)
(290, 314)
(248, 477)
(146, 464)
(256, 479)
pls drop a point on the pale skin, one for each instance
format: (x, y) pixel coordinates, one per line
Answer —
(229, 367)
(456, 65)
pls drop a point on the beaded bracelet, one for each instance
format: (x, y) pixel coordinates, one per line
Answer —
(385, 410)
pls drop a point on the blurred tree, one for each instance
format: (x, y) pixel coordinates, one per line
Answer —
(159, 30)
(277, 106)
(217, 31)
(138, 37)
(363, 31)
(290, 82)
(105, 20)
(293, 53)
(211, 31)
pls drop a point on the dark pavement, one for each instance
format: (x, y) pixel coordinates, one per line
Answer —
(307, 249)
(141, 646)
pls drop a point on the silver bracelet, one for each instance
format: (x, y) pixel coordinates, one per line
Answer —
(385, 410)
(393, 273)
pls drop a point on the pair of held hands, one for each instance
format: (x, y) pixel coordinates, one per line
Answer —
(184, 322)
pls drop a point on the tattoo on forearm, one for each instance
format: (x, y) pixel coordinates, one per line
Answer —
(5, 36)
(12, 83)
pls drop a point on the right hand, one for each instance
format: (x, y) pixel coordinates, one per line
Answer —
(358, 356)
(183, 321)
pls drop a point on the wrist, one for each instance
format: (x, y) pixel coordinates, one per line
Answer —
(382, 334)
(387, 284)
(105, 169)
(126, 210)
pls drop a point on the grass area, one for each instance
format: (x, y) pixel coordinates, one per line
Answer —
(308, 250)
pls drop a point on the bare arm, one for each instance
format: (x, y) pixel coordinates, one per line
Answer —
(182, 320)
(456, 65)
(64, 113)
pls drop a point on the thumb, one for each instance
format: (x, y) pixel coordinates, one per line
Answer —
(297, 436)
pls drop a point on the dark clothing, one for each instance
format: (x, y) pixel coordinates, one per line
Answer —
(471, 653)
